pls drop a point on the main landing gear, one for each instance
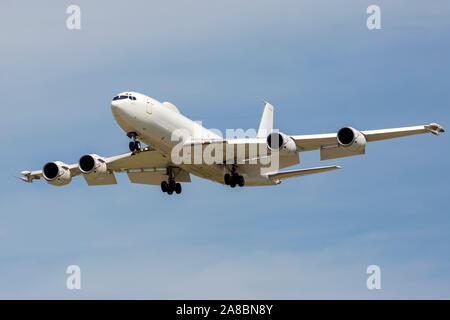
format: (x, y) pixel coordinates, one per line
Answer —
(171, 186)
(234, 179)
(135, 145)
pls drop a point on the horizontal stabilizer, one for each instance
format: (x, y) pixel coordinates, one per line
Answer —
(301, 172)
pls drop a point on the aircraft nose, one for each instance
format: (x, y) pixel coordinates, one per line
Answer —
(120, 108)
(114, 105)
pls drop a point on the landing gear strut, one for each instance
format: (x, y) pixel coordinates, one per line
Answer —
(234, 179)
(135, 145)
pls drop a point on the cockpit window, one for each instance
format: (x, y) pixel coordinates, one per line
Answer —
(124, 97)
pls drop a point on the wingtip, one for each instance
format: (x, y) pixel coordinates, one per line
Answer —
(26, 176)
(435, 128)
(24, 179)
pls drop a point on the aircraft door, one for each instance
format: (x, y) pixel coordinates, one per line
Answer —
(148, 106)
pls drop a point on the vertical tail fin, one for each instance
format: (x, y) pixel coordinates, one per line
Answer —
(266, 124)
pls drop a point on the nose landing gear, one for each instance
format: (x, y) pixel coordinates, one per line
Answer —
(135, 145)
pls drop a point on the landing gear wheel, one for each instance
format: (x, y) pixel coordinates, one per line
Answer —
(169, 190)
(178, 188)
(137, 146)
(172, 184)
(132, 146)
(164, 186)
(234, 180)
(241, 181)
(227, 178)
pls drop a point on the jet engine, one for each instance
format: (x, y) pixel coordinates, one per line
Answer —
(93, 165)
(351, 139)
(57, 173)
(277, 141)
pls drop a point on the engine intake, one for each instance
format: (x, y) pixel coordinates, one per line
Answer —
(56, 173)
(92, 164)
(346, 136)
(351, 139)
(86, 163)
(277, 141)
(50, 171)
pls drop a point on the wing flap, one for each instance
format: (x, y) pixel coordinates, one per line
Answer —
(314, 141)
(147, 177)
(155, 177)
(96, 181)
(336, 151)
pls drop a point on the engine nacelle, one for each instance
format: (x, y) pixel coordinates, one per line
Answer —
(351, 139)
(56, 173)
(277, 141)
(93, 165)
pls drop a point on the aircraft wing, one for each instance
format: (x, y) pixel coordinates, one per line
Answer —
(330, 148)
(147, 167)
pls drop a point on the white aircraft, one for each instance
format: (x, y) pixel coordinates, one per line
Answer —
(237, 161)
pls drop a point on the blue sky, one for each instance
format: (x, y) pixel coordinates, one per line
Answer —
(311, 237)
